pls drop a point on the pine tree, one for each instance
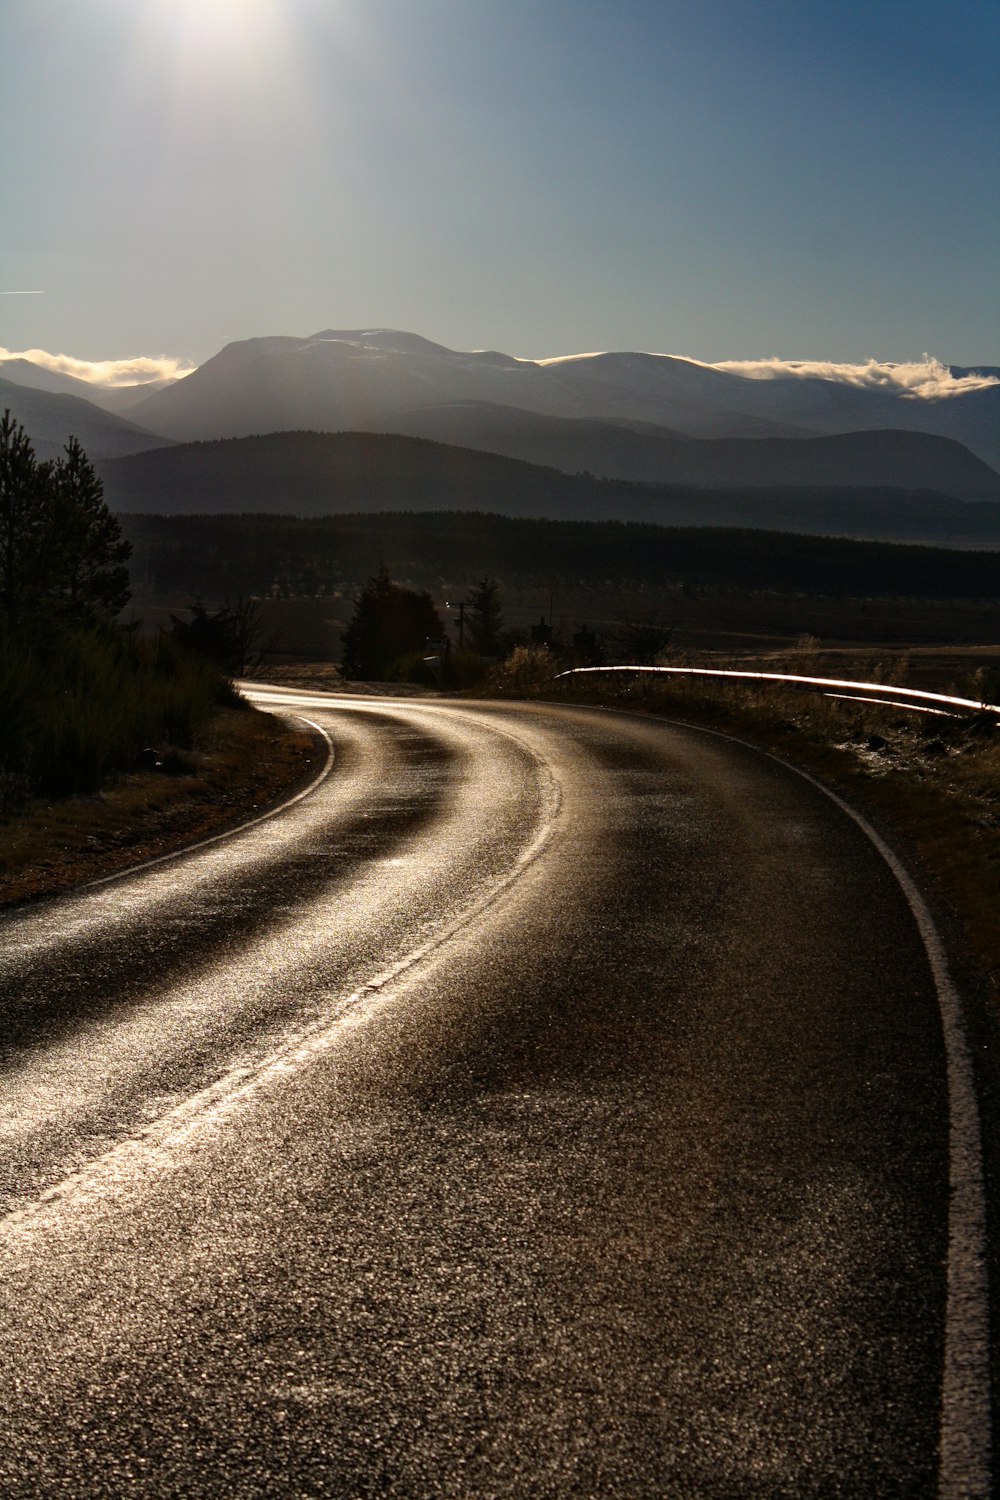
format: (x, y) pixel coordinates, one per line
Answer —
(24, 495)
(485, 617)
(62, 554)
(389, 621)
(88, 553)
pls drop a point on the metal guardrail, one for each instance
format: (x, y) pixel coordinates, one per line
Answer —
(915, 698)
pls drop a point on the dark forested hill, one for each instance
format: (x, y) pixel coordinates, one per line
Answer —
(217, 556)
(315, 474)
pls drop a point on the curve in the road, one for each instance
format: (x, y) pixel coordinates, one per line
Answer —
(103, 1174)
(584, 1067)
(244, 823)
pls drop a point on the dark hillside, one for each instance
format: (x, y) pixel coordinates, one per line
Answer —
(649, 455)
(317, 474)
(52, 418)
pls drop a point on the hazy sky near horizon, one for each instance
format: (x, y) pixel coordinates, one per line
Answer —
(715, 178)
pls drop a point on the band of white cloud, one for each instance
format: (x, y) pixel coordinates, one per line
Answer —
(140, 370)
(927, 378)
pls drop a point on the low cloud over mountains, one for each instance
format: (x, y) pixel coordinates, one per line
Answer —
(102, 374)
(927, 378)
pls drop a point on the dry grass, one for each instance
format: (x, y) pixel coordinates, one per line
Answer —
(243, 761)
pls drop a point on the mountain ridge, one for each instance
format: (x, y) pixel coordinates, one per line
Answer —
(604, 413)
(365, 379)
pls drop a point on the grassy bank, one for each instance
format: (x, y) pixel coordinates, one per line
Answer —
(238, 762)
(82, 704)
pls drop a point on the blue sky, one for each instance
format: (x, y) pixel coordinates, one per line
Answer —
(725, 179)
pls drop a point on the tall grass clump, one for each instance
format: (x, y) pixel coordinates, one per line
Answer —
(527, 670)
(81, 705)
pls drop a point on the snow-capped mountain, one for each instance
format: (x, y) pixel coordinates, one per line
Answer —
(385, 381)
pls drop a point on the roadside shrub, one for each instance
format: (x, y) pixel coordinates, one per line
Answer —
(984, 684)
(420, 667)
(83, 704)
(528, 669)
(450, 671)
(465, 669)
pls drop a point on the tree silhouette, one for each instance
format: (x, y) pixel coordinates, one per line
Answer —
(87, 551)
(389, 621)
(484, 620)
(61, 550)
(23, 497)
(235, 638)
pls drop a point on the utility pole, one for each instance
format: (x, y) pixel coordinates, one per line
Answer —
(460, 606)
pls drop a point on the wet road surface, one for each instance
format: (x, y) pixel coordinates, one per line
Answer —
(552, 1102)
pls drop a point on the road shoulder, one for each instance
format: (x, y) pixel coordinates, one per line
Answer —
(245, 762)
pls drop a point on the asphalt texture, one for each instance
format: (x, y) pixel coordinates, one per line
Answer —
(550, 1104)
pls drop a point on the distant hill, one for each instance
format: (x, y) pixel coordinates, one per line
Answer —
(372, 381)
(655, 455)
(377, 379)
(117, 398)
(50, 419)
(322, 474)
(992, 372)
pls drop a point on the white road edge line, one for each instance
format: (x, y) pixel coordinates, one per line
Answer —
(965, 1437)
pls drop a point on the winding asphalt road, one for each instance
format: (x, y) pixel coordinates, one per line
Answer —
(550, 1102)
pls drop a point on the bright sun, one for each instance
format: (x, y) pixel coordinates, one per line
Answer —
(212, 29)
